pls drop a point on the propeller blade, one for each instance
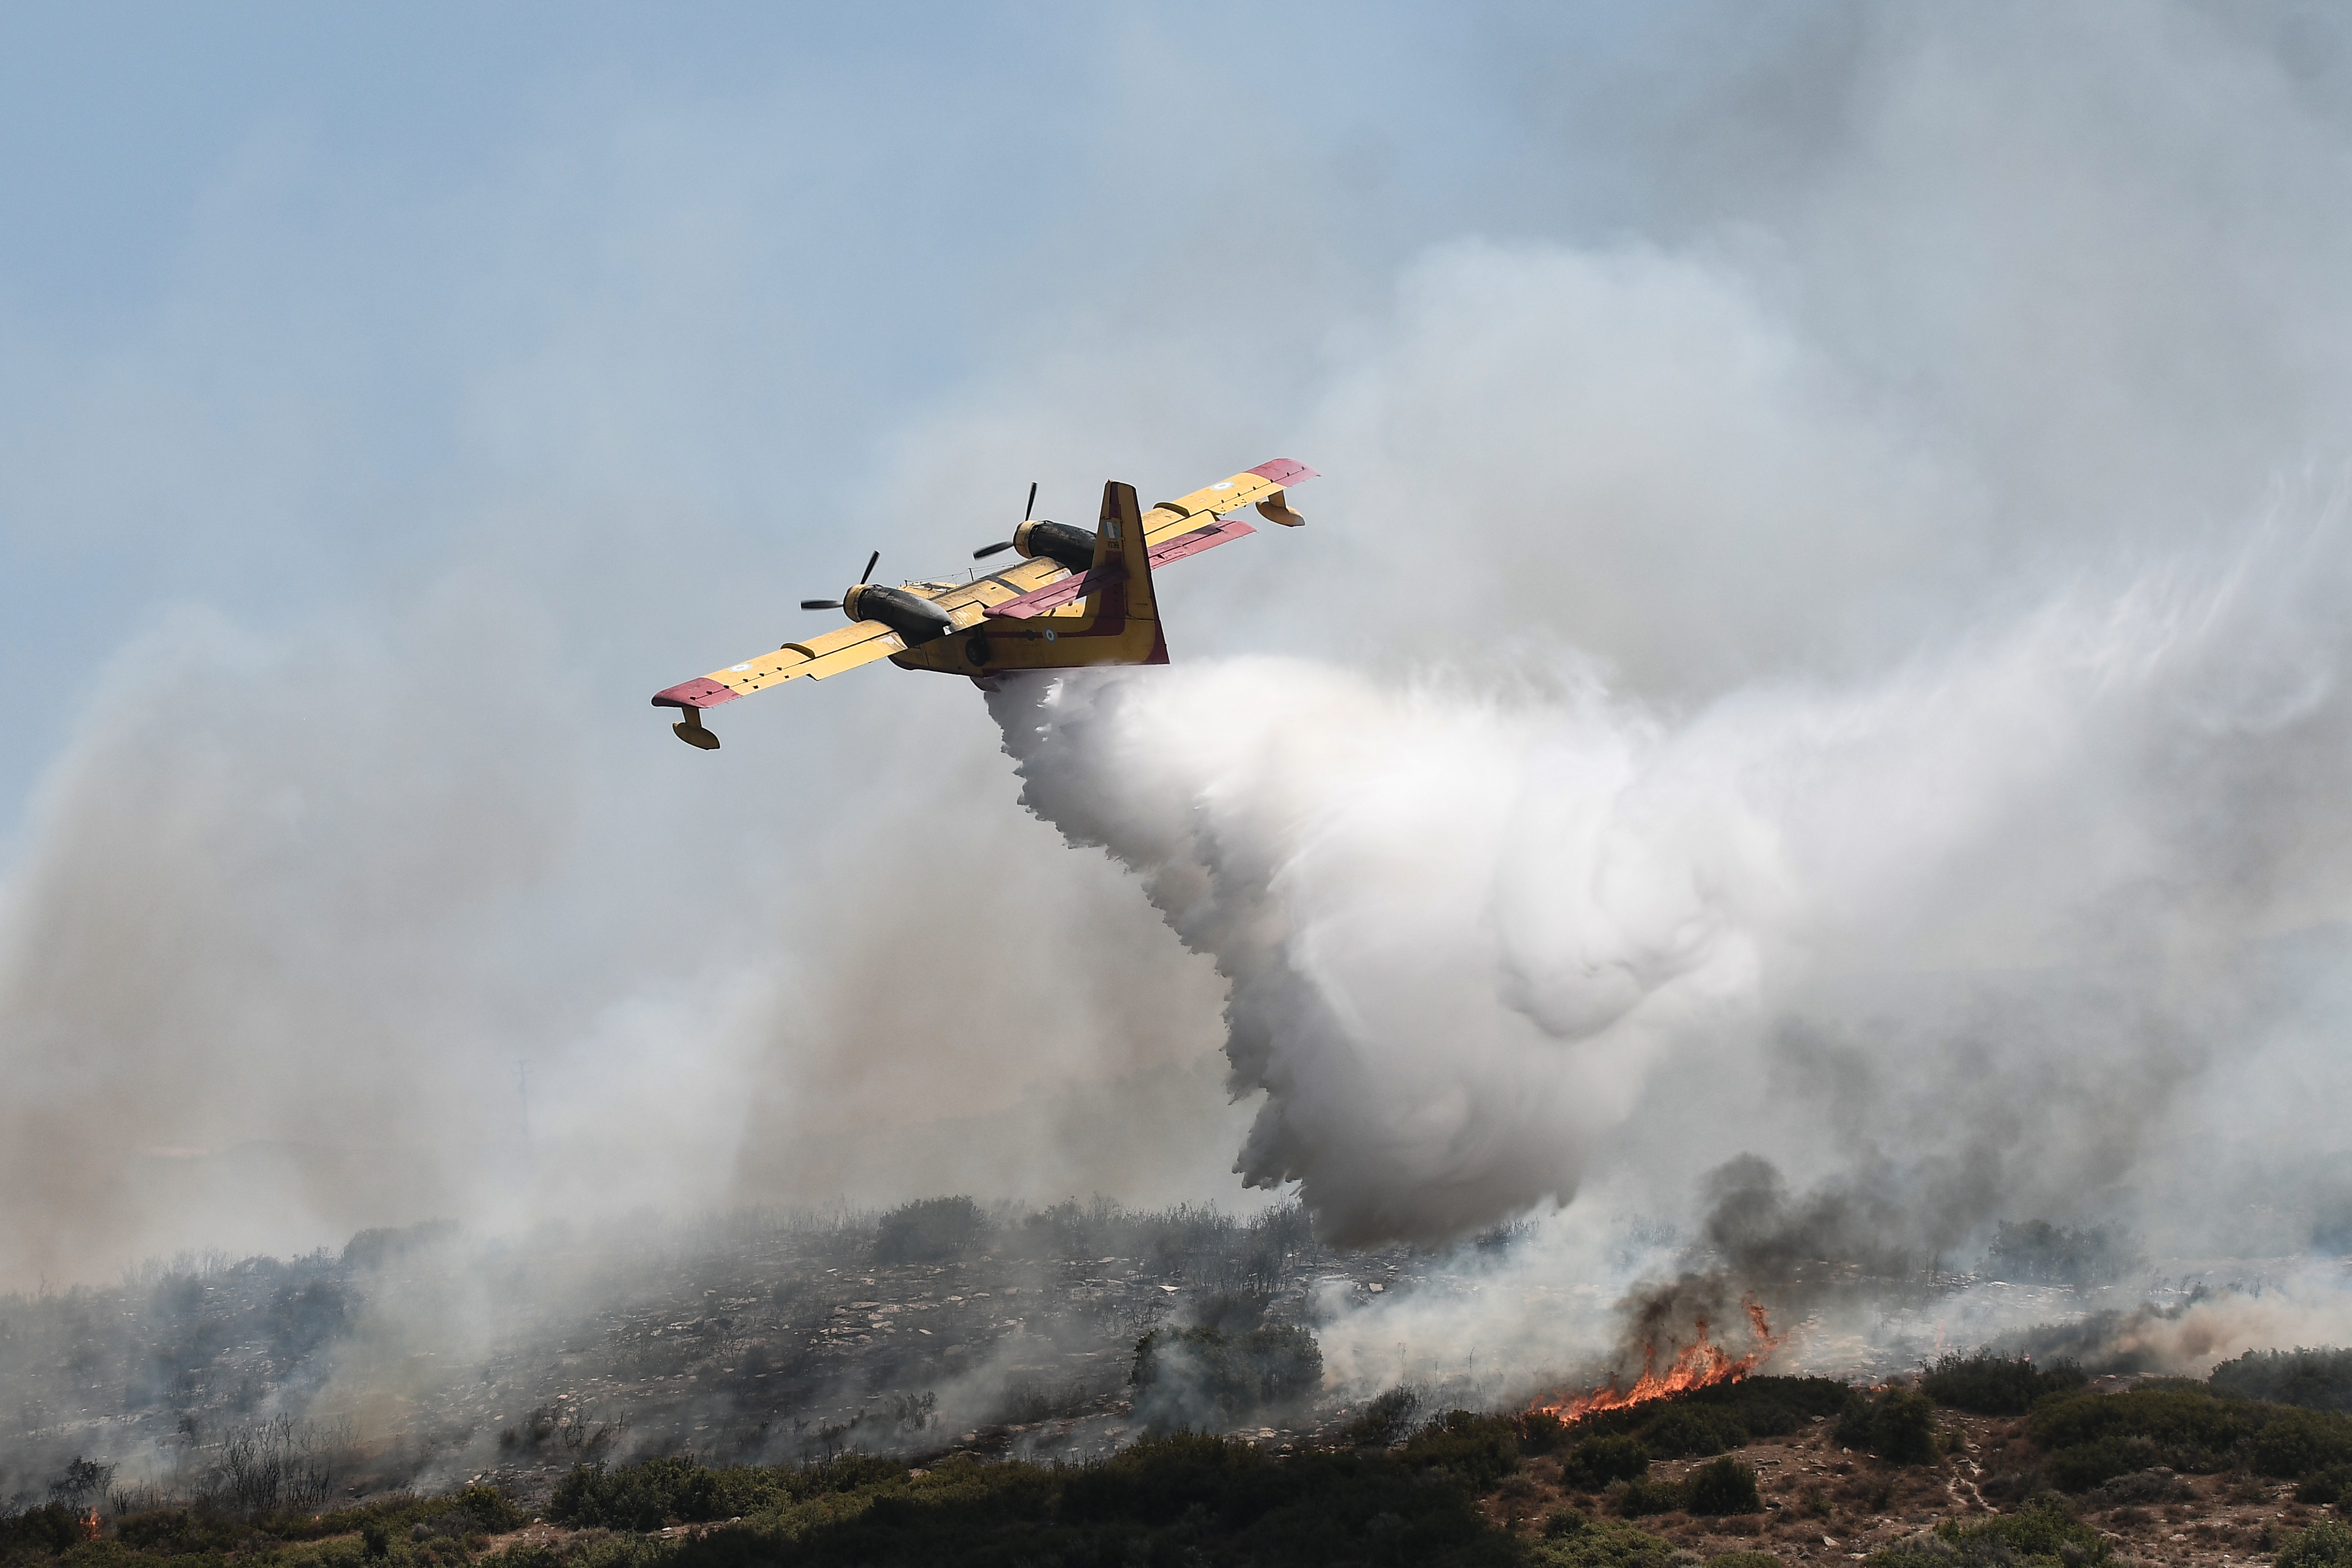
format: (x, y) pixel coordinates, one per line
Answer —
(1032, 501)
(987, 549)
(869, 567)
(820, 603)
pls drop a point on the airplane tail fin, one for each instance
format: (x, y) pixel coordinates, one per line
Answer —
(1125, 601)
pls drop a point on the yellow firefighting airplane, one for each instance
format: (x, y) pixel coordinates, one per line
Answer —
(1076, 598)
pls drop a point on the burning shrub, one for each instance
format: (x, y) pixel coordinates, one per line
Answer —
(1991, 1385)
(2315, 1379)
(2326, 1544)
(1597, 1461)
(1724, 1486)
(1206, 1376)
(929, 1230)
(1737, 1412)
(1898, 1424)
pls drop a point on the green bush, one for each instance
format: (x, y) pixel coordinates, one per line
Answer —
(1722, 1486)
(1898, 1424)
(1480, 1449)
(48, 1530)
(2193, 1428)
(2185, 1427)
(672, 1491)
(1209, 1376)
(1743, 1560)
(491, 1509)
(2296, 1442)
(1592, 1464)
(1991, 1384)
(2043, 1534)
(2326, 1544)
(2324, 1485)
(2088, 1465)
(1599, 1543)
(1541, 1432)
(1685, 1430)
(2315, 1379)
(1384, 1423)
(930, 1230)
(1642, 1498)
(1160, 1501)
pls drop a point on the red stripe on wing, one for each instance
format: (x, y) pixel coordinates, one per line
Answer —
(1284, 471)
(1053, 595)
(1069, 590)
(700, 692)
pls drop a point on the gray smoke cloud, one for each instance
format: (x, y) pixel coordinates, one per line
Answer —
(1817, 639)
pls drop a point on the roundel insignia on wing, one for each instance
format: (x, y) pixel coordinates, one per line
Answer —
(1222, 485)
(737, 668)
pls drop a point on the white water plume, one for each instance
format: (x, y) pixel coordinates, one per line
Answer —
(1466, 921)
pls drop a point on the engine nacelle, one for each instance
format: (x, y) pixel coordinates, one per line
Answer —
(1058, 542)
(916, 619)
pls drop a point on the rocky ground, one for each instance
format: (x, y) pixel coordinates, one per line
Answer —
(1826, 1504)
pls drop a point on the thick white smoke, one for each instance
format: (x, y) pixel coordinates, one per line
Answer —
(1465, 921)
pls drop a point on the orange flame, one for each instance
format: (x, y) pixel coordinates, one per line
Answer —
(93, 1527)
(1697, 1364)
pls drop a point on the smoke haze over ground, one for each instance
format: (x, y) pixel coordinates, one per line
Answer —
(1820, 638)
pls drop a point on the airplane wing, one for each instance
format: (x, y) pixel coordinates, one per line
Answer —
(1172, 530)
(846, 647)
(1261, 487)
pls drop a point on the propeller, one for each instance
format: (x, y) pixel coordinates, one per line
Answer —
(835, 604)
(987, 549)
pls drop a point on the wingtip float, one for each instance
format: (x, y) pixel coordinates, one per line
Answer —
(1074, 598)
